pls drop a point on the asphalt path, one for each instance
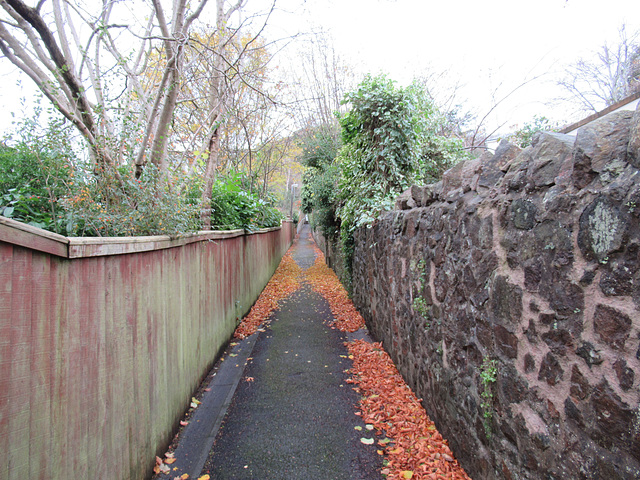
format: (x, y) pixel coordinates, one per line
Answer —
(293, 413)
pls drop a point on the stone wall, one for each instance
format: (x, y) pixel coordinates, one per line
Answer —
(334, 257)
(531, 259)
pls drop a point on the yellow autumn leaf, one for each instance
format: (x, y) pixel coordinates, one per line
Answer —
(406, 474)
(204, 477)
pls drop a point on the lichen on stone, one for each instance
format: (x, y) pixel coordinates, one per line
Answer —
(602, 228)
(603, 224)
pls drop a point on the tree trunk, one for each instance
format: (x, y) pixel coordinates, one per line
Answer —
(209, 175)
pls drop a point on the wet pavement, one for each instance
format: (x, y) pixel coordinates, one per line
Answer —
(282, 408)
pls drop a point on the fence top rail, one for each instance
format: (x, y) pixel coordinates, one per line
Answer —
(21, 234)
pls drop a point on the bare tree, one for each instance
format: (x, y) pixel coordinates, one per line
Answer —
(610, 75)
(71, 69)
(224, 92)
(319, 79)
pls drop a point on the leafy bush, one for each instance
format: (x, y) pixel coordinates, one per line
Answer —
(320, 147)
(233, 207)
(523, 136)
(35, 173)
(106, 204)
(389, 143)
(43, 183)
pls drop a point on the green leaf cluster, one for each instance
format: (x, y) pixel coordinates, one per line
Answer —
(390, 142)
(108, 205)
(35, 173)
(488, 376)
(320, 147)
(387, 140)
(523, 136)
(234, 206)
(44, 183)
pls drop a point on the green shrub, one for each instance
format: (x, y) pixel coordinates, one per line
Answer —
(524, 135)
(389, 143)
(35, 173)
(320, 147)
(45, 184)
(234, 207)
(104, 204)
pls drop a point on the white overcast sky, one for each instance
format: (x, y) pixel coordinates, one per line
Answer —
(490, 46)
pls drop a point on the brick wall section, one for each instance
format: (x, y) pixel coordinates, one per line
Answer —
(530, 258)
(99, 355)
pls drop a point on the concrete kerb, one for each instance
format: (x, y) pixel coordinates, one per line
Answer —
(196, 439)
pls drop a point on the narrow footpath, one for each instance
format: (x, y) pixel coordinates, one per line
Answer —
(279, 405)
(293, 412)
(297, 397)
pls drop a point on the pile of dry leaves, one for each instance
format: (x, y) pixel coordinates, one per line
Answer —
(283, 283)
(412, 446)
(325, 282)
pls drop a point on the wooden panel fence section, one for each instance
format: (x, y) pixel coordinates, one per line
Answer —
(100, 349)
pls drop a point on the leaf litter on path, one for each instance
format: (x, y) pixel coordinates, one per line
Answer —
(283, 283)
(325, 282)
(413, 447)
(416, 449)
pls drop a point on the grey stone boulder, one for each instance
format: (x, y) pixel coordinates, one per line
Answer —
(602, 229)
(406, 200)
(633, 149)
(463, 175)
(550, 152)
(601, 146)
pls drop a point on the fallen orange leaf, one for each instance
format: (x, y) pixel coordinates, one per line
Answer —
(412, 443)
(282, 284)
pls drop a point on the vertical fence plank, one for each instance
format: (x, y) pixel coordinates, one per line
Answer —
(6, 276)
(116, 369)
(19, 401)
(102, 371)
(76, 368)
(140, 286)
(124, 310)
(59, 462)
(92, 354)
(41, 367)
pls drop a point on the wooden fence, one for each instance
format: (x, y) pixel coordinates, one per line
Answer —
(103, 341)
